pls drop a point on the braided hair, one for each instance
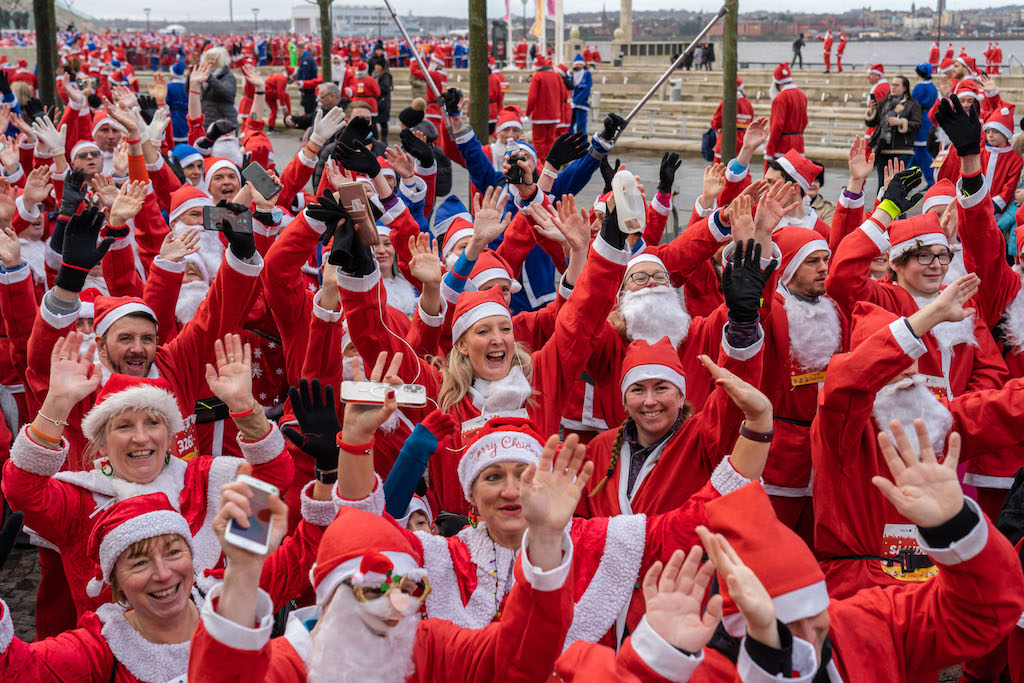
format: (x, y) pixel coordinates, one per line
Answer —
(620, 437)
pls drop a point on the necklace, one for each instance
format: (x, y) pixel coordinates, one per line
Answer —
(494, 575)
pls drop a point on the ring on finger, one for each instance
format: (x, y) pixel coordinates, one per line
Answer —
(231, 359)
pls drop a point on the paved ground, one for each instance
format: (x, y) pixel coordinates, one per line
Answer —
(18, 581)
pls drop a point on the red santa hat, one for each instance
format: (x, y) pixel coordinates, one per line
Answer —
(509, 117)
(796, 244)
(541, 61)
(501, 439)
(417, 504)
(782, 75)
(214, 164)
(127, 522)
(124, 392)
(102, 118)
(652, 361)
(452, 220)
(866, 319)
(361, 68)
(968, 87)
(781, 560)
(1001, 120)
(967, 61)
(491, 266)
(370, 550)
(877, 69)
(81, 147)
(939, 194)
(87, 298)
(945, 65)
(110, 309)
(187, 197)
(472, 307)
(800, 168)
(917, 231)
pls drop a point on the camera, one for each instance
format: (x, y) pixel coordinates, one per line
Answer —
(515, 171)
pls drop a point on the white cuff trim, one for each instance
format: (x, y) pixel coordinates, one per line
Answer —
(664, 209)
(987, 481)
(27, 214)
(964, 549)
(551, 579)
(316, 512)
(156, 165)
(359, 284)
(241, 267)
(57, 321)
(30, 457)
(414, 193)
(164, 264)
(465, 136)
(304, 160)
(700, 210)
(394, 212)
(372, 503)
(324, 314)
(716, 228)
(124, 243)
(911, 345)
(973, 200)
(16, 176)
(433, 320)
(6, 627)
(725, 479)
(316, 226)
(421, 171)
(657, 653)
(610, 253)
(848, 203)
(879, 238)
(744, 353)
(731, 177)
(266, 449)
(234, 635)
(13, 277)
(805, 665)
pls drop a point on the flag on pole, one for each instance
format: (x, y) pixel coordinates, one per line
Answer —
(536, 30)
(508, 13)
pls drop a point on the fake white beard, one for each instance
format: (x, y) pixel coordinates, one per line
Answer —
(98, 282)
(450, 259)
(34, 253)
(200, 184)
(814, 332)
(228, 148)
(211, 249)
(84, 346)
(1013, 318)
(190, 296)
(949, 334)
(509, 393)
(908, 400)
(345, 649)
(401, 294)
(655, 312)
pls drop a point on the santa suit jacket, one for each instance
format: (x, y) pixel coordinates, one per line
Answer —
(851, 515)
(1001, 166)
(787, 122)
(744, 115)
(496, 88)
(545, 97)
(523, 646)
(973, 363)
(555, 366)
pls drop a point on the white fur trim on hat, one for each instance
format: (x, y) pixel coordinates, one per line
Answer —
(937, 200)
(190, 159)
(485, 276)
(86, 309)
(189, 204)
(108, 121)
(450, 243)
(801, 254)
(510, 446)
(216, 166)
(876, 71)
(475, 314)
(927, 240)
(403, 565)
(140, 397)
(511, 123)
(801, 603)
(84, 144)
(644, 258)
(997, 126)
(147, 525)
(653, 371)
(121, 311)
(417, 504)
(804, 183)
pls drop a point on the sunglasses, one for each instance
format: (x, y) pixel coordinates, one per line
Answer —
(92, 154)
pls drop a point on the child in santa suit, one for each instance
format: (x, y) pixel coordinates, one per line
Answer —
(1000, 163)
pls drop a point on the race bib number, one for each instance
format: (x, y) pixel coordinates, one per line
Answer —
(185, 442)
(897, 539)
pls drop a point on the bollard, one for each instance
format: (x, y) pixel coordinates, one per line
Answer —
(595, 105)
(676, 91)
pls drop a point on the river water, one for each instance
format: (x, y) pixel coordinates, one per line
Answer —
(861, 53)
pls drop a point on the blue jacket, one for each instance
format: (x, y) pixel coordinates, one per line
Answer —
(581, 91)
(925, 93)
(307, 67)
(11, 100)
(177, 102)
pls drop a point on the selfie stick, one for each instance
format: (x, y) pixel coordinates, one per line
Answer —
(426, 69)
(664, 77)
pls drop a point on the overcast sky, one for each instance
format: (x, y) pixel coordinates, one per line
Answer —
(182, 10)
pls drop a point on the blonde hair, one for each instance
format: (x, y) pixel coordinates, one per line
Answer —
(457, 376)
(217, 57)
(22, 91)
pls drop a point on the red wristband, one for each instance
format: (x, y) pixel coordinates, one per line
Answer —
(195, 92)
(363, 448)
(245, 413)
(135, 141)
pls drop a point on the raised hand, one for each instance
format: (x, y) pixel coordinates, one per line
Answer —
(253, 76)
(951, 300)
(425, 262)
(49, 136)
(567, 148)
(488, 224)
(547, 222)
(948, 223)
(121, 160)
(757, 133)
(201, 73)
(925, 492)
(673, 594)
(231, 380)
(574, 226)
(670, 163)
(72, 376)
(756, 407)
(123, 115)
(357, 158)
(37, 187)
(10, 247)
(104, 188)
(158, 126)
(177, 246)
(74, 192)
(550, 490)
(361, 422)
(861, 161)
(712, 185)
(780, 199)
(158, 88)
(317, 414)
(899, 196)
(7, 205)
(219, 129)
(336, 175)
(745, 589)
(451, 98)
(743, 282)
(419, 149)
(401, 161)
(962, 127)
(81, 253)
(613, 125)
(10, 157)
(608, 171)
(892, 167)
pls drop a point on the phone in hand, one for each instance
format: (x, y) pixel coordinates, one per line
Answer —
(256, 537)
(261, 180)
(353, 197)
(214, 216)
(515, 173)
(375, 393)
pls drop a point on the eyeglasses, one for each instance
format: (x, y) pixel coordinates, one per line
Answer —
(641, 279)
(926, 258)
(92, 154)
(417, 590)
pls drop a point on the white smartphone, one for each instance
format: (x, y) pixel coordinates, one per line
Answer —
(374, 393)
(256, 538)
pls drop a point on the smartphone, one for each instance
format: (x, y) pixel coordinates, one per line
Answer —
(261, 180)
(374, 393)
(95, 82)
(255, 538)
(82, 83)
(213, 217)
(353, 197)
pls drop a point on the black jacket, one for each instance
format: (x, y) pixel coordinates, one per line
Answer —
(888, 138)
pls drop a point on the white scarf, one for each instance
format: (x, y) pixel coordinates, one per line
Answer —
(34, 253)
(401, 294)
(508, 393)
(1013, 319)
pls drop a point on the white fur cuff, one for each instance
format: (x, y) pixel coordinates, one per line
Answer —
(725, 479)
(550, 579)
(234, 635)
(164, 264)
(6, 627)
(266, 449)
(660, 655)
(318, 512)
(13, 277)
(251, 269)
(372, 503)
(29, 456)
(324, 314)
(609, 253)
(433, 320)
(359, 284)
(805, 665)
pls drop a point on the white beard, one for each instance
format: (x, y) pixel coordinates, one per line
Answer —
(34, 253)
(908, 400)
(950, 334)
(227, 147)
(1013, 318)
(190, 296)
(84, 346)
(655, 312)
(450, 260)
(346, 368)
(500, 395)
(98, 282)
(401, 294)
(345, 649)
(211, 249)
(814, 331)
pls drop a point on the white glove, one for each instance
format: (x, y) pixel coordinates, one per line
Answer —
(140, 125)
(48, 134)
(159, 126)
(326, 125)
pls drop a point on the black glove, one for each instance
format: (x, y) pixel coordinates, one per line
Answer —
(356, 158)
(610, 230)
(450, 98)
(33, 110)
(9, 535)
(567, 148)
(147, 107)
(418, 149)
(963, 127)
(897, 199)
(327, 210)
(667, 176)
(613, 123)
(218, 128)
(5, 83)
(317, 415)
(94, 100)
(743, 282)
(75, 190)
(81, 252)
(243, 244)
(608, 172)
(347, 251)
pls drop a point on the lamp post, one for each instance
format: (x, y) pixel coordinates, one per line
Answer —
(255, 20)
(524, 19)
(147, 10)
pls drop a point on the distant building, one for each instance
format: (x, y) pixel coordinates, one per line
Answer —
(365, 21)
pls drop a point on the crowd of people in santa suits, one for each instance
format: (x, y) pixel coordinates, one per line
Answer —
(736, 455)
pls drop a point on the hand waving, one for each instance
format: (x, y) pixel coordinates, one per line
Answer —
(231, 381)
(550, 490)
(673, 594)
(317, 414)
(361, 421)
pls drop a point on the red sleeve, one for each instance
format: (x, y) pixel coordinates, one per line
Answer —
(119, 270)
(983, 239)
(429, 176)
(150, 230)
(775, 122)
(195, 128)
(294, 177)
(211, 661)
(849, 274)
(19, 308)
(518, 239)
(164, 182)
(161, 294)
(285, 575)
(698, 243)
(676, 529)
(848, 216)
(70, 657)
(1006, 190)
(716, 120)
(657, 217)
